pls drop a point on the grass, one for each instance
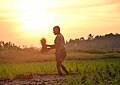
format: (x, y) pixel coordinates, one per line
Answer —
(92, 72)
(90, 69)
(13, 70)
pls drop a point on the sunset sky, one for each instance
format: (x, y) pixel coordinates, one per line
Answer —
(25, 22)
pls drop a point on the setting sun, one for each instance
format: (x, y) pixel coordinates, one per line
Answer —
(33, 18)
(35, 21)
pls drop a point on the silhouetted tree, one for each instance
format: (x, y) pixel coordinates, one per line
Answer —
(24, 46)
(71, 40)
(76, 40)
(82, 38)
(98, 37)
(90, 36)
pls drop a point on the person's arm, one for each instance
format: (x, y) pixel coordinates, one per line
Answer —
(50, 46)
(46, 48)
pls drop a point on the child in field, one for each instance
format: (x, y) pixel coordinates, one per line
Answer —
(44, 45)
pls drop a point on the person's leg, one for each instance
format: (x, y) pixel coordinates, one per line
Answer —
(58, 68)
(64, 69)
(58, 64)
(62, 59)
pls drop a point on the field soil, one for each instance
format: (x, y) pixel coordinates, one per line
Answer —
(35, 79)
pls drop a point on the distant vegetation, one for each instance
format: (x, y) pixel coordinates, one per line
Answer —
(11, 46)
(100, 43)
(109, 43)
(93, 44)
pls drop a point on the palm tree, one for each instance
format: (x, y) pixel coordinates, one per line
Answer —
(90, 36)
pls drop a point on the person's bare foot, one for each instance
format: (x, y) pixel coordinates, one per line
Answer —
(60, 74)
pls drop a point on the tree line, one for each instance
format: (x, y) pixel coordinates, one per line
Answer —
(8, 45)
(91, 37)
(11, 46)
(107, 41)
(100, 41)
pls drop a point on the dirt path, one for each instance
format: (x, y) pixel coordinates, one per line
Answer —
(36, 79)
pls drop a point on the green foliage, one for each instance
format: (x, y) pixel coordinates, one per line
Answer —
(13, 70)
(84, 68)
(90, 72)
(103, 71)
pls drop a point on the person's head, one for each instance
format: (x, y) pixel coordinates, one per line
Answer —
(56, 30)
(43, 41)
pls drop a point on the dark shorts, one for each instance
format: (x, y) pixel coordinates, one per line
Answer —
(60, 57)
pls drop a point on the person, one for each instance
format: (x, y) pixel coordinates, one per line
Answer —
(44, 46)
(60, 54)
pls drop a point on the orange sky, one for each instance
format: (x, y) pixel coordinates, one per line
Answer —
(25, 22)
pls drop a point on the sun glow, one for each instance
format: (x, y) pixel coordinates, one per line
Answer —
(34, 18)
(35, 21)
